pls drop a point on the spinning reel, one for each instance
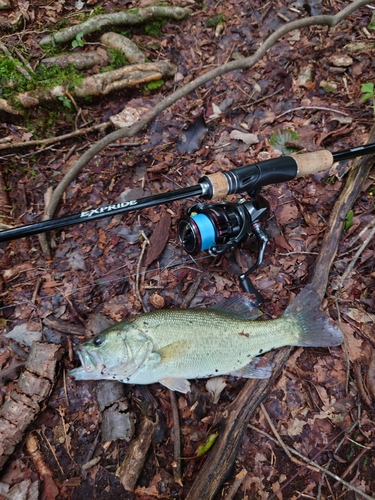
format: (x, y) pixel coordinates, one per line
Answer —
(220, 228)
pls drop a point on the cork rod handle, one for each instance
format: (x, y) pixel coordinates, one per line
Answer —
(311, 163)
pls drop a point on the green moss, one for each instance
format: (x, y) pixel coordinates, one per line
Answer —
(133, 11)
(62, 23)
(10, 76)
(213, 21)
(52, 76)
(51, 50)
(117, 60)
(13, 81)
(154, 28)
(156, 84)
(97, 11)
(126, 33)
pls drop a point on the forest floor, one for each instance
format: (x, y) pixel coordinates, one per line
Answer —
(102, 271)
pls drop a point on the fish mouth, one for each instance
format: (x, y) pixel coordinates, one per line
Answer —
(91, 365)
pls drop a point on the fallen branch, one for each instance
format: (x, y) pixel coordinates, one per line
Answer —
(120, 42)
(238, 414)
(5, 106)
(176, 464)
(132, 465)
(54, 140)
(130, 17)
(356, 178)
(244, 63)
(235, 419)
(79, 60)
(103, 83)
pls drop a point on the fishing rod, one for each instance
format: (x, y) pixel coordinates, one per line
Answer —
(221, 227)
(244, 179)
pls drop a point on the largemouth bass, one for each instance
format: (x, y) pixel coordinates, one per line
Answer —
(174, 345)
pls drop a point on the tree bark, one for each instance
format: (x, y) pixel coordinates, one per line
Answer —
(23, 403)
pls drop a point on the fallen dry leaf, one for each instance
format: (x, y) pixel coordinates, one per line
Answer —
(128, 116)
(158, 238)
(245, 137)
(215, 387)
(360, 316)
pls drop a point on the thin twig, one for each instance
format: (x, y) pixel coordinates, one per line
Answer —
(311, 462)
(36, 289)
(41, 432)
(191, 292)
(54, 140)
(138, 272)
(362, 390)
(320, 108)
(360, 250)
(65, 390)
(273, 428)
(238, 480)
(346, 350)
(361, 233)
(352, 464)
(328, 465)
(176, 465)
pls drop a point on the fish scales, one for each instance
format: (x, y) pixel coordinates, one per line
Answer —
(218, 342)
(174, 345)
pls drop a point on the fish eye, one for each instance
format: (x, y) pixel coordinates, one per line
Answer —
(98, 341)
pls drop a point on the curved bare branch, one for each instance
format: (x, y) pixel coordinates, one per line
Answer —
(245, 63)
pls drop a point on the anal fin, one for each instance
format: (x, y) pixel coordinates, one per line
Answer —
(257, 368)
(176, 384)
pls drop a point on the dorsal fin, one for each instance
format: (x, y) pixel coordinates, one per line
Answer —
(240, 306)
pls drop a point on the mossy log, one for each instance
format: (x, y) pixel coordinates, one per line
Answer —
(102, 83)
(131, 17)
(79, 60)
(120, 42)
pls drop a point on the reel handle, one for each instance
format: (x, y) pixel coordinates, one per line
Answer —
(245, 281)
(248, 287)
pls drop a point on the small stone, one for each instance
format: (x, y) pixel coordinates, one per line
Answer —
(341, 61)
(329, 87)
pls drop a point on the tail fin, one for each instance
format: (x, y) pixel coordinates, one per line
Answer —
(316, 330)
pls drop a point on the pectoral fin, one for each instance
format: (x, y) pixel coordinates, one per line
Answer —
(174, 350)
(257, 368)
(176, 384)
